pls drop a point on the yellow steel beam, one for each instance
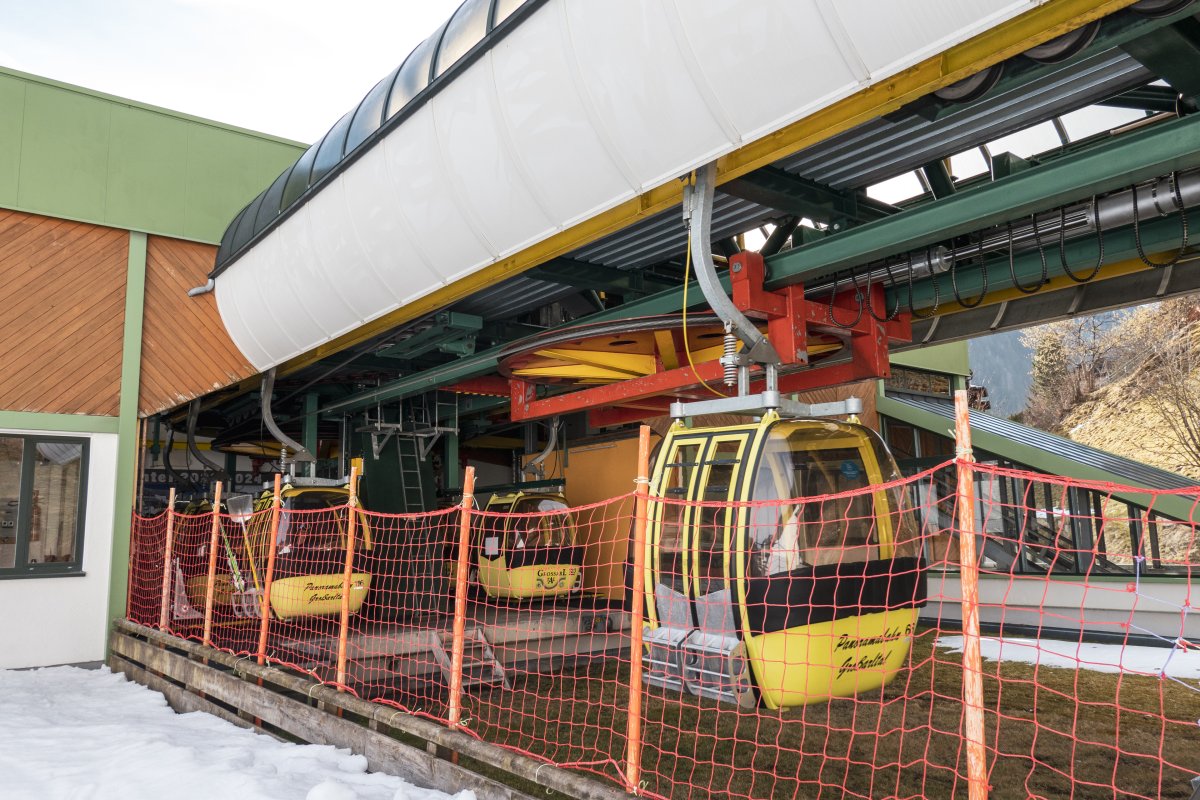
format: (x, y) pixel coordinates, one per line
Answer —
(1034, 27)
(633, 364)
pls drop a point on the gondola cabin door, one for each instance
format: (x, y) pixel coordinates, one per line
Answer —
(690, 605)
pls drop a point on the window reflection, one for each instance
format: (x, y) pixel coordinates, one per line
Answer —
(369, 114)
(54, 502)
(465, 29)
(10, 499)
(504, 8)
(413, 77)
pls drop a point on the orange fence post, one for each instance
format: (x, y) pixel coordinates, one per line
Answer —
(633, 727)
(969, 575)
(168, 554)
(212, 567)
(347, 572)
(265, 606)
(460, 600)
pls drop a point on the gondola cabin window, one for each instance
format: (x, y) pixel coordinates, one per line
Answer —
(670, 544)
(550, 524)
(830, 520)
(42, 494)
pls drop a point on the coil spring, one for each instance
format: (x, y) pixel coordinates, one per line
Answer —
(729, 359)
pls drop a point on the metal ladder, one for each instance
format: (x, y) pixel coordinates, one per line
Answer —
(412, 490)
(480, 666)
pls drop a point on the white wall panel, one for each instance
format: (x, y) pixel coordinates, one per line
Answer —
(387, 243)
(425, 198)
(62, 620)
(488, 184)
(580, 107)
(892, 36)
(542, 108)
(738, 45)
(642, 88)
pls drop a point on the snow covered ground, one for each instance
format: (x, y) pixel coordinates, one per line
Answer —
(1072, 655)
(91, 735)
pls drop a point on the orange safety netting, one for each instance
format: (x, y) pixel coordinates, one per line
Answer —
(806, 647)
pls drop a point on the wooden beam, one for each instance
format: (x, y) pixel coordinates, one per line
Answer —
(237, 679)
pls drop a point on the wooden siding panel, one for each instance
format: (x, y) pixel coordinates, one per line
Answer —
(186, 351)
(62, 291)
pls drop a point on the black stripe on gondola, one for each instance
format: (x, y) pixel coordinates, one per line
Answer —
(518, 557)
(810, 595)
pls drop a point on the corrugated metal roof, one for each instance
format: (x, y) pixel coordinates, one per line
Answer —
(881, 148)
(1124, 471)
(513, 297)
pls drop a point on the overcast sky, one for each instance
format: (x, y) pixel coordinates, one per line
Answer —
(285, 67)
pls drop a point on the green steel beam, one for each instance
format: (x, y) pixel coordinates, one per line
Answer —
(485, 362)
(1156, 151)
(1157, 236)
(448, 329)
(1173, 54)
(939, 178)
(309, 432)
(776, 188)
(127, 424)
(59, 423)
(1159, 99)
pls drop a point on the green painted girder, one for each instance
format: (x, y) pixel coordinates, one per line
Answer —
(1156, 151)
(1146, 98)
(597, 277)
(1173, 54)
(781, 190)
(449, 333)
(1157, 236)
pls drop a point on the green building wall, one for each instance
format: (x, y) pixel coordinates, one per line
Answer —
(77, 154)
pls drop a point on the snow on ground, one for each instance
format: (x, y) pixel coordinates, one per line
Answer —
(1183, 664)
(91, 735)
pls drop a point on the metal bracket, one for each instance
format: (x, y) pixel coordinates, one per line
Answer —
(759, 404)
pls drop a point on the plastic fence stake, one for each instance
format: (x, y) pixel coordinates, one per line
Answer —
(969, 574)
(265, 607)
(454, 713)
(164, 607)
(633, 728)
(212, 567)
(347, 572)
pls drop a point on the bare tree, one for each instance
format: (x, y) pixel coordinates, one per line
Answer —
(1162, 359)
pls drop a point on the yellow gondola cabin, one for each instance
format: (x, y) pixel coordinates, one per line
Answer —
(754, 597)
(309, 557)
(528, 550)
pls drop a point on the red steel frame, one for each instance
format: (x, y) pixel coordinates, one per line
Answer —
(789, 317)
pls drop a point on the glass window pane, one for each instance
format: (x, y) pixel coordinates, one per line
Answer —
(1115, 539)
(504, 8)
(413, 77)
(10, 498)
(676, 477)
(331, 149)
(369, 114)
(1173, 547)
(465, 29)
(54, 506)
(710, 532)
(298, 179)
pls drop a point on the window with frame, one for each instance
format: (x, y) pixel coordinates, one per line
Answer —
(43, 487)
